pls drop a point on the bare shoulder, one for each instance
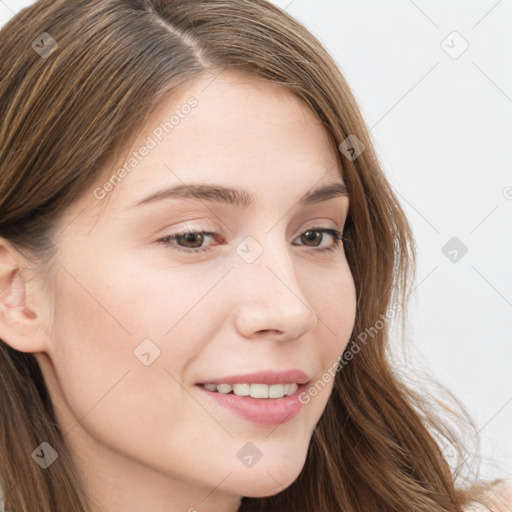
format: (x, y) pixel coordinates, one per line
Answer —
(500, 496)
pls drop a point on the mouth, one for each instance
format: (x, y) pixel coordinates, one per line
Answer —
(263, 398)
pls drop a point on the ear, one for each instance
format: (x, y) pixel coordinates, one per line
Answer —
(20, 317)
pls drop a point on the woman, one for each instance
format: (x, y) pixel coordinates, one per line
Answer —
(195, 232)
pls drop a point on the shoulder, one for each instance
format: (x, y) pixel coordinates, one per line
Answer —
(500, 496)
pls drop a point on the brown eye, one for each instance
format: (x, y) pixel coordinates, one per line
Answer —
(188, 240)
(314, 237)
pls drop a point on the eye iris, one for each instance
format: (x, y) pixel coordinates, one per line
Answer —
(316, 235)
(189, 237)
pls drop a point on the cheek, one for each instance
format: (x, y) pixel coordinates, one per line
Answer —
(101, 338)
(106, 317)
(335, 306)
(334, 301)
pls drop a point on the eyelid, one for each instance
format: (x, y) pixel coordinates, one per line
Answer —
(212, 228)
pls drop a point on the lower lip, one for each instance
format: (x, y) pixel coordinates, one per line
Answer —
(264, 411)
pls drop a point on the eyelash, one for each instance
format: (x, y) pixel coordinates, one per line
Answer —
(336, 235)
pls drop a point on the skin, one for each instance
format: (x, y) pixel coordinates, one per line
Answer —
(144, 437)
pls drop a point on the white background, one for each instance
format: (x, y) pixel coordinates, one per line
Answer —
(442, 127)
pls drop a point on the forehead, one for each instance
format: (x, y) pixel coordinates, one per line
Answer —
(235, 130)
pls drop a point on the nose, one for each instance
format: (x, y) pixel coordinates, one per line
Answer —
(269, 299)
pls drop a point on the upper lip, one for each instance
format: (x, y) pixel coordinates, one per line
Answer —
(263, 377)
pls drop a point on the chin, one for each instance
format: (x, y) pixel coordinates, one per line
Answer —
(267, 481)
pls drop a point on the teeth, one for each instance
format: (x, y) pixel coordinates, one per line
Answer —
(292, 389)
(242, 389)
(276, 391)
(255, 390)
(224, 388)
(259, 390)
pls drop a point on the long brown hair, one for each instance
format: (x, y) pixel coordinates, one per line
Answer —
(78, 79)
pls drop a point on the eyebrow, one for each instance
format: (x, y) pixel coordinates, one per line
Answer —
(239, 198)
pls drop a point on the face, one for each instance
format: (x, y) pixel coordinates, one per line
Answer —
(154, 298)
